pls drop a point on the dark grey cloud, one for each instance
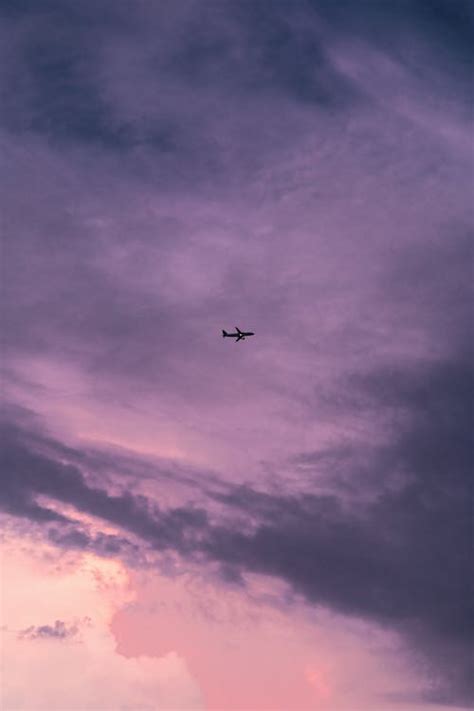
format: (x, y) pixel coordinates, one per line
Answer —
(59, 631)
(403, 558)
(271, 47)
(435, 281)
(30, 473)
(49, 84)
(265, 46)
(74, 536)
(447, 26)
(53, 79)
(65, 62)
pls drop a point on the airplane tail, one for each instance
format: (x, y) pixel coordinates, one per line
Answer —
(224, 333)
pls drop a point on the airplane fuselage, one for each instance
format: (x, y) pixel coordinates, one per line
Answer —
(239, 335)
(242, 334)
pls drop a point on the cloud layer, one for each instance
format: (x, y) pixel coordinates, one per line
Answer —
(399, 558)
(298, 168)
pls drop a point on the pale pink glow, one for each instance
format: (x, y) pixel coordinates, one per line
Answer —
(243, 651)
(319, 679)
(69, 395)
(93, 523)
(247, 654)
(85, 671)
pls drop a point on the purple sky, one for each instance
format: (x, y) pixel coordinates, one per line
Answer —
(300, 169)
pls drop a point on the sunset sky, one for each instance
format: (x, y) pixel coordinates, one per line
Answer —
(282, 523)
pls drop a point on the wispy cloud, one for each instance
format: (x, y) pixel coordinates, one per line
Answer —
(57, 631)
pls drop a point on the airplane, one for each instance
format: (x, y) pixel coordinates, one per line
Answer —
(239, 336)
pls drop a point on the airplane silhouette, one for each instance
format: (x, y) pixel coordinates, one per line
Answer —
(239, 336)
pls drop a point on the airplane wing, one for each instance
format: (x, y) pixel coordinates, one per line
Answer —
(239, 337)
(238, 330)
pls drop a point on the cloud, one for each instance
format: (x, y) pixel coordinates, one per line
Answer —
(114, 82)
(89, 673)
(300, 167)
(30, 474)
(57, 631)
(404, 558)
(400, 559)
(445, 28)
